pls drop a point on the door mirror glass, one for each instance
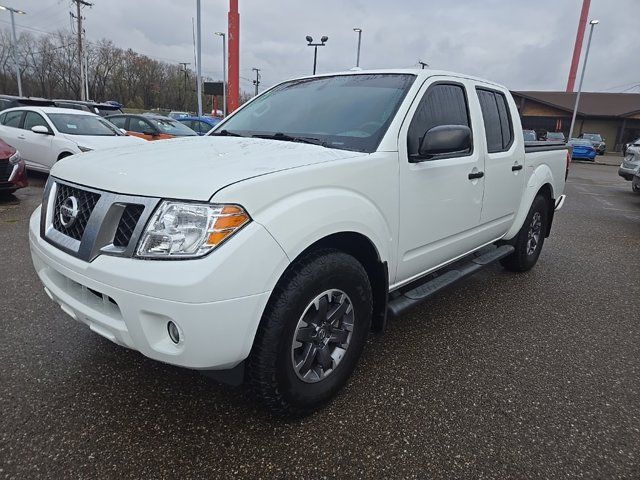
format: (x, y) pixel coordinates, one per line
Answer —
(42, 130)
(445, 140)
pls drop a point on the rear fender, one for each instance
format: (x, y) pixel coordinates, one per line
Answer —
(540, 177)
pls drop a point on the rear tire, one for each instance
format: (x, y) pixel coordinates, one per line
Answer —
(528, 243)
(311, 334)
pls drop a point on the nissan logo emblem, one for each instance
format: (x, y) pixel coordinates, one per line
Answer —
(69, 211)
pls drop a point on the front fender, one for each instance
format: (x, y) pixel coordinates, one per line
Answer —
(542, 175)
(301, 219)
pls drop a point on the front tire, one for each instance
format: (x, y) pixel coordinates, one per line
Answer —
(311, 334)
(528, 243)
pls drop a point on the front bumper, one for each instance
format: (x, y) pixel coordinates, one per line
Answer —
(130, 301)
(627, 172)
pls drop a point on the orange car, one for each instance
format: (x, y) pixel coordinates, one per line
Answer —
(151, 127)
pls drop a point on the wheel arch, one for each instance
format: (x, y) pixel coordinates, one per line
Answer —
(540, 182)
(365, 251)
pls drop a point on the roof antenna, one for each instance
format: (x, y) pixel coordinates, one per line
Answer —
(423, 64)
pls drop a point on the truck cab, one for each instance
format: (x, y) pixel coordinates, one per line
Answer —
(303, 221)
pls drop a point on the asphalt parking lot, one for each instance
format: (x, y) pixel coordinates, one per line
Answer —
(504, 376)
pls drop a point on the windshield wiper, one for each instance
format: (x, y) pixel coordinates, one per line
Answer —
(226, 133)
(288, 138)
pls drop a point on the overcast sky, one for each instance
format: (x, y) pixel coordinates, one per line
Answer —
(524, 44)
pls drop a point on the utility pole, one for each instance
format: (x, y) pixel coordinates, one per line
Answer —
(14, 44)
(184, 84)
(78, 17)
(256, 82)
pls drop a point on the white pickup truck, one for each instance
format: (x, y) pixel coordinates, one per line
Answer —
(268, 250)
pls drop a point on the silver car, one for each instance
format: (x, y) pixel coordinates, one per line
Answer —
(630, 164)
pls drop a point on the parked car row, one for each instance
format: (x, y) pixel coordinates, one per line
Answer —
(44, 135)
(102, 109)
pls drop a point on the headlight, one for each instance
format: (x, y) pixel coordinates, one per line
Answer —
(15, 158)
(84, 149)
(189, 230)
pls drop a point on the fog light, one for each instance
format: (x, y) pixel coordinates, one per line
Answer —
(174, 333)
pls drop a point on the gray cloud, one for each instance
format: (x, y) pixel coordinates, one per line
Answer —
(522, 44)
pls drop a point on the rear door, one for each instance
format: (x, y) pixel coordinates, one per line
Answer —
(504, 163)
(11, 132)
(36, 147)
(440, 204)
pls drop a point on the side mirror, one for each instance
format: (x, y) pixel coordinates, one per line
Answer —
(445, 139)
(41, 129)
(151, 133)
(124, 132)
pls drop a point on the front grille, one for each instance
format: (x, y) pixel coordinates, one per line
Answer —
(5, 170)
(127, 224)
(86, 203)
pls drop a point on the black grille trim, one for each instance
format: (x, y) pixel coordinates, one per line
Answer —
(128, 221)
(5, 170)
(86, 203)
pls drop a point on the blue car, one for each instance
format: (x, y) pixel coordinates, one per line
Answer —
(582, 149)
(200, 125)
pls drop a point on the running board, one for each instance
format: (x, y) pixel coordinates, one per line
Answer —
(448, 277)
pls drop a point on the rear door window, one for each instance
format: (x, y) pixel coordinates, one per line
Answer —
(12, 119)
(497, 120)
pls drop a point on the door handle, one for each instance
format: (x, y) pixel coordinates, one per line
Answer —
(21, 137)
(515, 168)
(474, 175)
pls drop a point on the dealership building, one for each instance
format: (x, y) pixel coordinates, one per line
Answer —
(615, 116)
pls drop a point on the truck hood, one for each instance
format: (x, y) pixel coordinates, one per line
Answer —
(191, 168)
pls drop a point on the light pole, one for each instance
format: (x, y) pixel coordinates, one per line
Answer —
(199, 57)
(14, 42)
(310, 43)
(593, 23)
(224, 73)
(256, 82)
(359, 32)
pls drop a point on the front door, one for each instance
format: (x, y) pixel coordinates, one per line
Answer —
(440, 203)
(36, 147)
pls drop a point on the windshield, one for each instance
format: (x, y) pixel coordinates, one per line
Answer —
(349, 112)
(74, 124)
(172, 127)
(592, 136)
